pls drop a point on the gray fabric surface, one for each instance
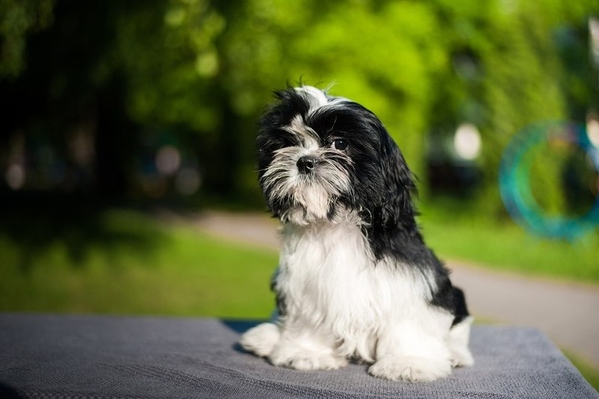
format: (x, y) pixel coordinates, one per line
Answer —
(45, 356)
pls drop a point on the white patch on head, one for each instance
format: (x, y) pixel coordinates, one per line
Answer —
(315, 97)
(307, 136)
(318, 98)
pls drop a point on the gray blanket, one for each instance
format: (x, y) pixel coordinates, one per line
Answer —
(45, 356)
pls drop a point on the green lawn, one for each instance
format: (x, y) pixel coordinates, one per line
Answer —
(507, 246)
(151, 269)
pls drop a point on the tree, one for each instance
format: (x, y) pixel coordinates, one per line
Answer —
(18, 19)
(203, 70)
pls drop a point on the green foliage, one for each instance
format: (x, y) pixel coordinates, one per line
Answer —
(168, 54)
(19, 18)
(205, 69)
(400, 59)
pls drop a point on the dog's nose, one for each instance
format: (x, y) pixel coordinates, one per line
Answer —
(306, 164)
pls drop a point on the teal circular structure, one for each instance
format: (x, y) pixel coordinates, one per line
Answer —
(515, 188)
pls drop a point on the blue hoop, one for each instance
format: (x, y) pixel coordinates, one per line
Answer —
(515, 188)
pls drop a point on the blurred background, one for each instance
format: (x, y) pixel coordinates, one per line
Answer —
(127, 174)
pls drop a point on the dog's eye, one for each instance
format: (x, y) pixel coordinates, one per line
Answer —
(340, 144)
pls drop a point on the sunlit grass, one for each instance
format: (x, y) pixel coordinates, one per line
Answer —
(168, 271)
(507, 246)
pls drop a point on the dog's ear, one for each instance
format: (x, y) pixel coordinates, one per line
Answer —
(395, 203)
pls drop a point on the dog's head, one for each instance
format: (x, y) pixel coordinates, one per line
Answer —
(324, 158)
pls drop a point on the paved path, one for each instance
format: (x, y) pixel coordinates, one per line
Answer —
(567, 312)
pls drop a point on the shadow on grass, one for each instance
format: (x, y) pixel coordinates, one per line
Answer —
(31, 225)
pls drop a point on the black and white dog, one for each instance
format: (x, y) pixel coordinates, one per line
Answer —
(355, 279)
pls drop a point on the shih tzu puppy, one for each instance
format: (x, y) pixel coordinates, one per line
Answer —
(355, 281)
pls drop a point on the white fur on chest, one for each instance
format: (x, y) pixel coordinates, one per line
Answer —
(331, 282)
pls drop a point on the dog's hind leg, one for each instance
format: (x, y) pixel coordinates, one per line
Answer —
(459, 336)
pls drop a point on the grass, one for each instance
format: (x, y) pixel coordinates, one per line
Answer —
(152, 269)
(507, 246)
(587, 370)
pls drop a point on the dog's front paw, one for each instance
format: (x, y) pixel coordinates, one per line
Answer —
(261, 339)
(410, 368)
(307, 360)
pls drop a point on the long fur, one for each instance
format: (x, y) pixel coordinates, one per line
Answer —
(355, 280)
